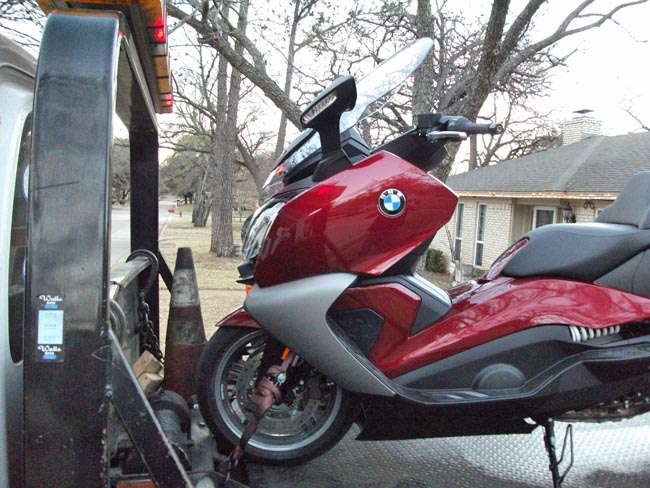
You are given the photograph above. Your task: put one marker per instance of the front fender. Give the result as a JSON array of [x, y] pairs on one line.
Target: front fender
[[238, 318]]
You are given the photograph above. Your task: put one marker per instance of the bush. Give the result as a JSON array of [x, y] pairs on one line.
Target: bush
[[436, 261]]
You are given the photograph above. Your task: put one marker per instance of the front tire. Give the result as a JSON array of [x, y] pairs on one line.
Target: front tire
[[315, 415]]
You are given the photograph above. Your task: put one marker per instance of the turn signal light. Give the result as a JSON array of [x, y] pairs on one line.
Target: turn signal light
[[159, 34], [167, 100]]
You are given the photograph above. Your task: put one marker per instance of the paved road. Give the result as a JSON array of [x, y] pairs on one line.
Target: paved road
[[120, 229]]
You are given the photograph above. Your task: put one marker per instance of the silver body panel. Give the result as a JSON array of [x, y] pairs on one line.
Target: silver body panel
[[295, 313]]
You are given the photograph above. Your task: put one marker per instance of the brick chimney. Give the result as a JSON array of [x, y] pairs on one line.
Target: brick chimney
[[580, 127]]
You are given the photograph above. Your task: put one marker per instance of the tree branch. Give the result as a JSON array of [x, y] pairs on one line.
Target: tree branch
[[258, 76]]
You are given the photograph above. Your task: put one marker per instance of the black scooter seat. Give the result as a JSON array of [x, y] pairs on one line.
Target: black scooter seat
[[583, 252]]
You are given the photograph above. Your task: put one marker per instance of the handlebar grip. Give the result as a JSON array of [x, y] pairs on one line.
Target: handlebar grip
[[495, 128], [464, 125]]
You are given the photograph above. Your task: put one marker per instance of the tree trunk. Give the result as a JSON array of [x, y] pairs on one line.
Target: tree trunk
[[218, 155], [424, 76], [473, 153], [222, 243], [443, 169], [291, 54], [201, 208], [483, 83]]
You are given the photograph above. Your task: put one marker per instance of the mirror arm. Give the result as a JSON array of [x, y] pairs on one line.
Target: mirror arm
[[331, 164]]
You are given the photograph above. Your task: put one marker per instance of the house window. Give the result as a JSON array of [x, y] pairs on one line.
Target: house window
[[543, 216], [480, 234], [459, 231]]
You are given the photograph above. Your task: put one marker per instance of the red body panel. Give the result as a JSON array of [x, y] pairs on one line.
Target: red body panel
[[482, 312], [336, 226], [238, 318]]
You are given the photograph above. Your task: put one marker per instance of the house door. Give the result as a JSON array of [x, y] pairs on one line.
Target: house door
[[543, 216]]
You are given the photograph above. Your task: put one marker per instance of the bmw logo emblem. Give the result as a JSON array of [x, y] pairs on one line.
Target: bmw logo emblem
[[392, 202]]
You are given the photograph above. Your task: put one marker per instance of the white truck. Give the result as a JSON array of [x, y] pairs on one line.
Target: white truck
[[72, 412]]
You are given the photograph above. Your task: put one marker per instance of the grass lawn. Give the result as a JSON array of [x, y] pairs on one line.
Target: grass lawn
[[218, 290], [212, 272]]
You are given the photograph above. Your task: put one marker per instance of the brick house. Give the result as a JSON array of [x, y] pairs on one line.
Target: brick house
[[571, 183]]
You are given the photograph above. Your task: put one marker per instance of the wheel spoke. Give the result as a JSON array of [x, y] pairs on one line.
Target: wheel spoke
[[310, 407], [234, 372]]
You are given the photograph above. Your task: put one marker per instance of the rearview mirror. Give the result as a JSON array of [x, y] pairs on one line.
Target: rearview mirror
[[324, 113]]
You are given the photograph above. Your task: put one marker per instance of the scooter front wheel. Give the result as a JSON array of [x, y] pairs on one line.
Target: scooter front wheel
[[315, 415]]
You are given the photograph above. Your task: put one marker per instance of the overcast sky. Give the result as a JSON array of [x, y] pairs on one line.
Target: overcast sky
[[609, 72]]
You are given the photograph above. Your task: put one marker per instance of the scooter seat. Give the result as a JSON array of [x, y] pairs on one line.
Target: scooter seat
[[584, 252]]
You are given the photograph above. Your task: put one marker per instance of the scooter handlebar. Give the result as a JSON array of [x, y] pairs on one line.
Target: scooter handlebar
[[461, 124]]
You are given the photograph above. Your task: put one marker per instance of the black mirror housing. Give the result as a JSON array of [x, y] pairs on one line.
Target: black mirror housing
[[337, 98], [324, 113]]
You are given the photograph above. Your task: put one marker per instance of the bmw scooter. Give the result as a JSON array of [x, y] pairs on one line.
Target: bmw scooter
[[557, 328]]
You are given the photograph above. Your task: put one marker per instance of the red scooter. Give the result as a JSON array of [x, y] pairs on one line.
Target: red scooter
[[556, 329]]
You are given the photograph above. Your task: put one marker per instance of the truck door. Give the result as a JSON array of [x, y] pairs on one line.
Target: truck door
[[17, 70]]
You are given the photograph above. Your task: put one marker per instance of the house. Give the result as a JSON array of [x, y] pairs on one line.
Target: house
[[571, 183]]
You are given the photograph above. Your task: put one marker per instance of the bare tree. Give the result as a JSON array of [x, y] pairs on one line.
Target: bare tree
[[642, 124], [214, 30], [195, 133], [23, 20], [186, 172], [251, 145], [120, 176], [528, 132], [470, 59], [301, 9], [470, 64]]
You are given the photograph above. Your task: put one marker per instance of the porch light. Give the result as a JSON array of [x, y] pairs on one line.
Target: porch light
[[568, 215]]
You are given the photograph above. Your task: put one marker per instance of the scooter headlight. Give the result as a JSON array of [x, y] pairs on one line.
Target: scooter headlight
[[258, 230]]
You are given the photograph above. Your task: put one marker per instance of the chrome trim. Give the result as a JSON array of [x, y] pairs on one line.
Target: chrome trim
[[430, 288], [452, 135], [125, 273]]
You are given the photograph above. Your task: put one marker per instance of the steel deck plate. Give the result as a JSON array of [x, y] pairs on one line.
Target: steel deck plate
[[613, 454]]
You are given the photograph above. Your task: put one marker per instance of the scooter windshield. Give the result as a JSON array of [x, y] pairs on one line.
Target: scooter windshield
[[373, 90], [384, 79]]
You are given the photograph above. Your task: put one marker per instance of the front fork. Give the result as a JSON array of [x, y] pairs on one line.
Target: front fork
[[271, 377], [273, 354]]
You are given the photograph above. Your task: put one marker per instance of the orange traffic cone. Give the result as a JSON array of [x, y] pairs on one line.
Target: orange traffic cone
[[185, 337]]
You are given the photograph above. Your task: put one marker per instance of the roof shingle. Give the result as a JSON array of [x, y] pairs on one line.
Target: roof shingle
[[596, 164]]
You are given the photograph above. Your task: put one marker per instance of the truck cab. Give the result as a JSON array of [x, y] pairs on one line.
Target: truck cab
[[17, 74]]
